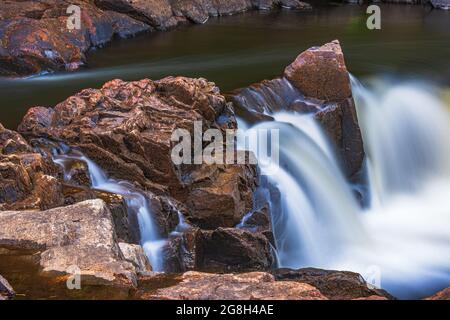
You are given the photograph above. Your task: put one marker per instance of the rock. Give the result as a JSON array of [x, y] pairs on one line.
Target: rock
[[156, 13], [230, 249], [221, 250], [320, 73], [34, 37], [6, 291], [28, 180], [77, 236], [441, 4], [126, 128], [245, 286], [441, 295], [135, 254], [335, 285], [295, 4], [317, 82]]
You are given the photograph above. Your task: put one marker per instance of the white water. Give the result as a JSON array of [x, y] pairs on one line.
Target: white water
[[136, 202], [401, 242]]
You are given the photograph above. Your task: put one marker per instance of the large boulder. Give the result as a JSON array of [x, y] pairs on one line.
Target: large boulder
[[126, 128], [335, 285], [245, 286], [77, 237], [320, 73], [6, 291], [317, 83]]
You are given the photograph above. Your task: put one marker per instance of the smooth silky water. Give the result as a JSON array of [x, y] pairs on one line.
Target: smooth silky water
[[400, 240]]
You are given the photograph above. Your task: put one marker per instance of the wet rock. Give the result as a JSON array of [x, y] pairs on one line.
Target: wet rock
[[28, 180], [35, 38], [230, 249], [245, 286], [318, 83], [441, 295], [126, 128], [78, 238], [335, 285], [6, 291]]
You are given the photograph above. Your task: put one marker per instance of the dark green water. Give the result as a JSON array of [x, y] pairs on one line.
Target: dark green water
[[414, 42]]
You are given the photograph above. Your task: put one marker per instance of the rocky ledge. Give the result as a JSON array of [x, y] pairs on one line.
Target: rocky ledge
[[35, 36]]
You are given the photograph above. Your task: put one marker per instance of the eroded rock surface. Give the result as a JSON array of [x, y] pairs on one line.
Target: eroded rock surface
[[28, 180], [126, 128], [244, 286]]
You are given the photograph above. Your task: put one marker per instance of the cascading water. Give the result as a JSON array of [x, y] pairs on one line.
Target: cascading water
[[136, 202], [401, 241]]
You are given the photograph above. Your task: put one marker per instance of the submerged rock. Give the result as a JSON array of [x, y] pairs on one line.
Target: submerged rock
[[245, 286], [335, 285], [6, 291], [77, 239], [317, 83]]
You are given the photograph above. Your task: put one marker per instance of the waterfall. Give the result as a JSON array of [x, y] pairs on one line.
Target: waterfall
[[136, 202], [401, 241]]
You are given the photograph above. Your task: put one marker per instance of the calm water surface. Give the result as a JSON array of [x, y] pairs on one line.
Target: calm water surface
[[235, 51]]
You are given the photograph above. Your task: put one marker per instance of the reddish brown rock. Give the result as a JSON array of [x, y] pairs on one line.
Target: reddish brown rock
[[320, 73], [335, 285], [126, 128], [28, 180], [34, 36], [245, 286], [441, 295]]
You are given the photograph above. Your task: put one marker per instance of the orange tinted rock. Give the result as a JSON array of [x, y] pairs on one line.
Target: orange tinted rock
[[320, 73]]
